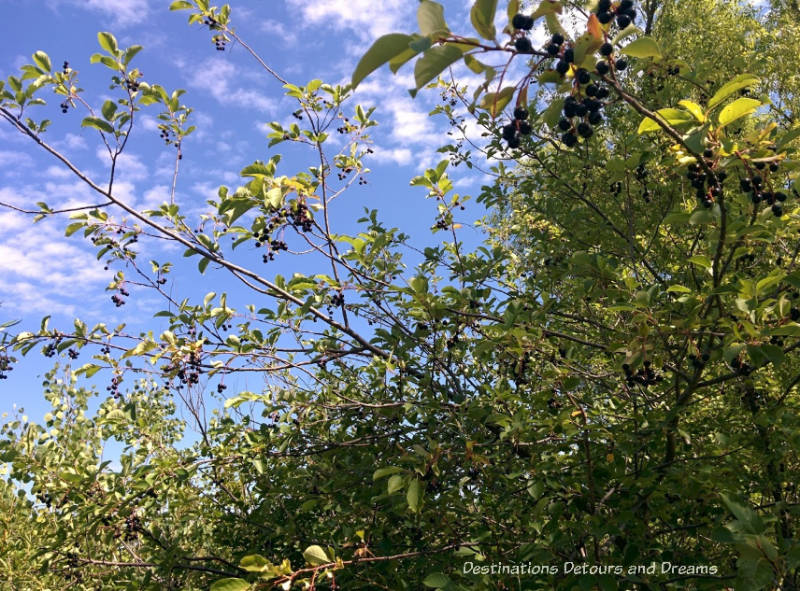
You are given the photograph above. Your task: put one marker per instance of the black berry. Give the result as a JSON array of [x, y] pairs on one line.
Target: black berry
[[621, 64], [521, 113], [606, 49], [523, 45]]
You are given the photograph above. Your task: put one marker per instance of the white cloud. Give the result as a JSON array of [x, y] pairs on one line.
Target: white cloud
[[40, 269], [71, 141], [217, 77], [129, 167], [281, 30], [11, 159], [369, 19], [121, 13], [400, 156]]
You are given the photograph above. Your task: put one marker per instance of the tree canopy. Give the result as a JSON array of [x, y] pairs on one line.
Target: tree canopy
[[601, 395]]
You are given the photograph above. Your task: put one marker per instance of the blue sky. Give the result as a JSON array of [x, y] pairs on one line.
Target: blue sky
[[42, 272]]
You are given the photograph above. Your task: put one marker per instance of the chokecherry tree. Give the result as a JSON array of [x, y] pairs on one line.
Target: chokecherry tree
[[609, 380]]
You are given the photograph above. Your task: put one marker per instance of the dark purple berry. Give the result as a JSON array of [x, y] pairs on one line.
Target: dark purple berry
[[520, 113], [585, 130], [523, 45], [621, 64]]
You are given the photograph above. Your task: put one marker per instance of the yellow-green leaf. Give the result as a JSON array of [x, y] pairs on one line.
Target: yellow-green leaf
[[230, 585], [643, 47], [670, 115], [430, 17], [414, 495], [383, 50], [694, 109], [495, 102], [433, 63], [482, 17], [545, 8], [739, 108], [741, 81], [315, 555]]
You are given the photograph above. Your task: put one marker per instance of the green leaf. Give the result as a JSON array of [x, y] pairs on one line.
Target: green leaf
[[315, 555], [74, 227], [97, 123], [230, 585], [436, 581], [433, 63], [671, 115], [42, 60], [108, 42], [546, 8], [180, 5], [741, 81], [384, 49], [482, 17], [694, 109], [108, 109], [430, 17], [700, 260], [394, 484], [254, 563], [382, 472], [414, 495], [643, 47], [739, 108], [495, 102]]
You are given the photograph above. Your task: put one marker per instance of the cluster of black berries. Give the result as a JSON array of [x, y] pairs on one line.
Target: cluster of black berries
[[794, 314], [522, 23], [514, 131], [755, 187], [219, 42], [698, 361], [114, 387], [708, 187], [624, 12], [45, 498], [301, 217], [553, 47], [221, 388], [641, 176], [106, 350], [645, 376], [603, 67], [5, 365], [190, 373], [117, 299], [211, 22], [64, 106], [741, 367], [73, 353], [65, 68], [132, 84], [132, 527], [580, 117], [165, 135], [275, 247]]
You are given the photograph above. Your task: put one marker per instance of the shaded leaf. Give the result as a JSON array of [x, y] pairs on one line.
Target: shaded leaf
[[383, 50]]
